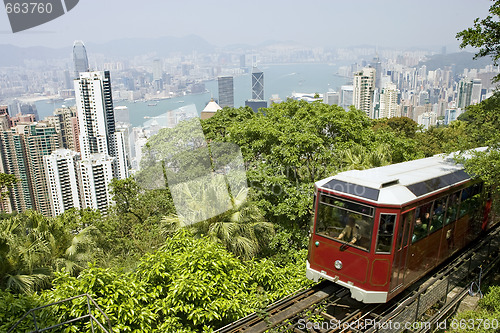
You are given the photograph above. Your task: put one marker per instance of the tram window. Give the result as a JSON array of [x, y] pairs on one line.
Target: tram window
[[453, 202], [408, 221], [422, 220], [344, 225], [438, 213], [385, 232], [471, 197]]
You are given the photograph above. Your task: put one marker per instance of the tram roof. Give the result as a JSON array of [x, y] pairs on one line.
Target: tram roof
[[399, 183]]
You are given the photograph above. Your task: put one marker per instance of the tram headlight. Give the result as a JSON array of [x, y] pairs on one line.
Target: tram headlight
[[338, 264]]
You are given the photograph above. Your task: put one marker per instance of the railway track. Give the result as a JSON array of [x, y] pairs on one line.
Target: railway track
[[327, 307]]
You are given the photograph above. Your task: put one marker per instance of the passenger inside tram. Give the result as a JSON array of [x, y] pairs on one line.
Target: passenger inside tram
[[351, 232]]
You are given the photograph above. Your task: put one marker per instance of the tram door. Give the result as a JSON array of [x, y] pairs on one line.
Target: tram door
[[401, 250]]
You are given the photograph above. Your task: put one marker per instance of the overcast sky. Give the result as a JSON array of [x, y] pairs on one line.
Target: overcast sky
[[384, 23]]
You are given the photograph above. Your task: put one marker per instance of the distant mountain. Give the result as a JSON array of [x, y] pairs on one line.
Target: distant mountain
[[460, 60], [162, 46], [15, 56]]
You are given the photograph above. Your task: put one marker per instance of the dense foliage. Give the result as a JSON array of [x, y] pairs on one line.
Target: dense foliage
[[150, 273]]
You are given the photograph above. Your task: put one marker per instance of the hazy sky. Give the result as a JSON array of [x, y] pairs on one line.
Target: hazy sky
[[385, 23]]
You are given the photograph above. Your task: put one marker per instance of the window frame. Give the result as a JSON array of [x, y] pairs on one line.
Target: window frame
[[392, 235]]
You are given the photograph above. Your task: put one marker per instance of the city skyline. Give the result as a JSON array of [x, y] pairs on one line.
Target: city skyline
[[384, 23]]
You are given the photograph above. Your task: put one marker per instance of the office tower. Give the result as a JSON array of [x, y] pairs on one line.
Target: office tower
[[226, 91], [157, 75], [80, 59], [363, 88], [346, 96], [95, 113], [464, 92], [257, 84], [388, 106], [476, 91], [157, 69], [210, 109], [96, 175], [378, 71], [257, 102], [242, 61], [63, 179]]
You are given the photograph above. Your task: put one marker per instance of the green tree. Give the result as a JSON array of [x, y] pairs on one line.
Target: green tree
[[6, 181], [485, 35]]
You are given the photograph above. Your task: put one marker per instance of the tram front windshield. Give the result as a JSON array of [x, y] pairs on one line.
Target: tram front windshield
[[345, 221]]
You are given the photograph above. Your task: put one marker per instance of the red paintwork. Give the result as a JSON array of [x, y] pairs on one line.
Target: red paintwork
[[374, 272]]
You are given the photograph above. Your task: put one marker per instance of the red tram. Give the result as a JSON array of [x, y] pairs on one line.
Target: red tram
[[377, 231]]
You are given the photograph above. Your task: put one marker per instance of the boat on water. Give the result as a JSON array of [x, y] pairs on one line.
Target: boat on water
[[152, 104]]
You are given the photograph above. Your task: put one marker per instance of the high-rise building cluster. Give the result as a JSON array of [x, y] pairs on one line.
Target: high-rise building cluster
[[391, 89], [69, 159]]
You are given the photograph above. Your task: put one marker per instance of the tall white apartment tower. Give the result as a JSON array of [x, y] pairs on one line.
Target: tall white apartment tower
[[101, 146], [96, 174], [96, 119], [63, 178], [388, 101], [363, 89]]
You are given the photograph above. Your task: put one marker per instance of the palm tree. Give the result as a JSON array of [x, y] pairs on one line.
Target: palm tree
[[359, 158], [242, 228], [81, 251], [25, 252]]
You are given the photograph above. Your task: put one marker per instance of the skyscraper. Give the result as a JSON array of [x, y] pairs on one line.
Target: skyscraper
[[80, 59], [257, 84], [22, 149], [464, 92], [364, 86], [388, 101], [257, 102], [102, 148], [378, 71], [96, 172], [226, 91], [95, 113], [63, 179], [64, 121], [346, 96]]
